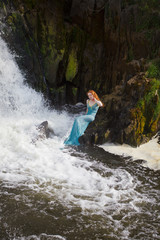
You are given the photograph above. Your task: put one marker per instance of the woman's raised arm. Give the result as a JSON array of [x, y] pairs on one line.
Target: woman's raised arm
[[100, 104]]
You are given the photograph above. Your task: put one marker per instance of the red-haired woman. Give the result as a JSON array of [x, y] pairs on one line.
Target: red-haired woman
[[81, 123]]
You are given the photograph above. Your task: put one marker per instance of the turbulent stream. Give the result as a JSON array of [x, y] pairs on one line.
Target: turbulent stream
[[49, 191]]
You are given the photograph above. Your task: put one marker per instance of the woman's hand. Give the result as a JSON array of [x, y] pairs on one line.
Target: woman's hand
[[100, 104]]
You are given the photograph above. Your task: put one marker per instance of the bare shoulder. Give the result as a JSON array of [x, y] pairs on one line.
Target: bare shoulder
[[87, 101]]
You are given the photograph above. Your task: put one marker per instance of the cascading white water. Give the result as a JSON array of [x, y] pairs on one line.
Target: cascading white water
[[150, 152], [21, 109], [47, 167]]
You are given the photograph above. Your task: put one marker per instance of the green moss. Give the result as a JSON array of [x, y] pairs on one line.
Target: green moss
[[155, 86], [157, 110], [146, 115], [4, 8], [48, 40], [141, 104], [154, 69], [137, 115], [149, 108], [72, 67], [10, 20], [14, 15], [16, 22]]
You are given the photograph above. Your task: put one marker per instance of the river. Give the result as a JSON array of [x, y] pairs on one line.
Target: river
[[51, 191]]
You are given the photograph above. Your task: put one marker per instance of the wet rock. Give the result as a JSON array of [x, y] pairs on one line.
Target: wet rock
[[158, 137], [127, 117], [77, 108], [43, 132]]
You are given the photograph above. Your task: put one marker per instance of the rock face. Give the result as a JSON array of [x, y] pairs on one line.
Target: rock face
[[131, 114], [70, 46]]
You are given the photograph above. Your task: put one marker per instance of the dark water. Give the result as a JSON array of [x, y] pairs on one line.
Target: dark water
[[26, 213]]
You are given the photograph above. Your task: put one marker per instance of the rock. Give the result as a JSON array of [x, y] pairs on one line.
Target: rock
[[158, 137], [127, 117], [85, 140], [77, 108], [69, 44], [43, 132]]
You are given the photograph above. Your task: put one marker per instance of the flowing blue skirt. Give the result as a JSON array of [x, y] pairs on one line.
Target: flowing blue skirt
[[79, 126]]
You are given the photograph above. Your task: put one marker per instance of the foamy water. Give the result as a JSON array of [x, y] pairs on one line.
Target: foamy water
[[50, 169], [42, 236], [150, 152], [45, 166]]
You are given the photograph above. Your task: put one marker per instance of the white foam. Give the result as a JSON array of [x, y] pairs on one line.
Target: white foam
[[41, 236], [44, 167], [150, 152]]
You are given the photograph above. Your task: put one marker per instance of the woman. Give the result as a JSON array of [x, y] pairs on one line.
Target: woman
[[81, 123]]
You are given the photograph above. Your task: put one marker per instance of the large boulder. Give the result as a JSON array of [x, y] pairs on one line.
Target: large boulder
[[131, 114]]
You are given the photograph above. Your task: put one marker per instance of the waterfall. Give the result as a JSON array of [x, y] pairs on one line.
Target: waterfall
[[44, 166], [59, 183]]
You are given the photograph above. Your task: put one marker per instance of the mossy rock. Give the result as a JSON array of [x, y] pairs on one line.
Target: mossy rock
[[72, 67]]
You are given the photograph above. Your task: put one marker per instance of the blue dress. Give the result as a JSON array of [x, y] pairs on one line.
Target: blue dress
[[80, 124]]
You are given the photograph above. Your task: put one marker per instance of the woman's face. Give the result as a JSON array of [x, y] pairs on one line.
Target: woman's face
[[90, 96]]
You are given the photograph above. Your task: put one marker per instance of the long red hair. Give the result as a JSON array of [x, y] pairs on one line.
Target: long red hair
[[95, 95]]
